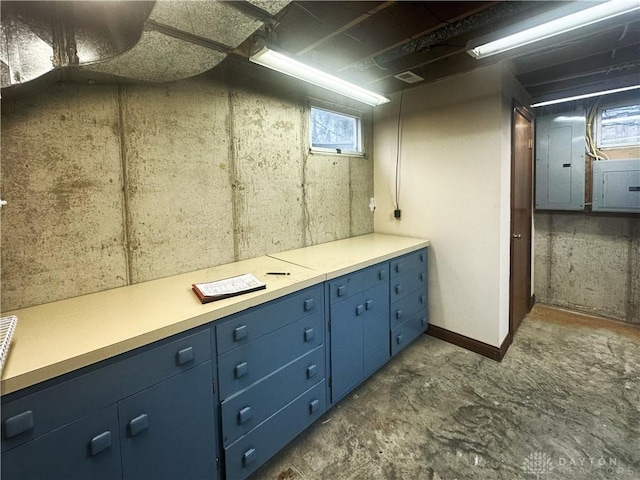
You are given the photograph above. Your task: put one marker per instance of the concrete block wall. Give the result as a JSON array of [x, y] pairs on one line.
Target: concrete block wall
[[113, 185], [589, 263]]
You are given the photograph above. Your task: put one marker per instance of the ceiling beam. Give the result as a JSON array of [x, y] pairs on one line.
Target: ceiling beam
[[582, 66], [620, 36], [306, 23], [345, 27], [471, 22], [587, 85]]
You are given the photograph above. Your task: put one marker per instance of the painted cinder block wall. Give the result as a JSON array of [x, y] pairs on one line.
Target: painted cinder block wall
[[113, 185]]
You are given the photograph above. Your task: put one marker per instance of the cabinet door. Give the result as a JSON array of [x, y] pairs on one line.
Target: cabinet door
[[376, 328], [167, 431], [347, 368], [85, 449]]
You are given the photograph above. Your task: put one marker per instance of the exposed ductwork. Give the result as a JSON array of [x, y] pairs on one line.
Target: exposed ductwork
[[128, 40]]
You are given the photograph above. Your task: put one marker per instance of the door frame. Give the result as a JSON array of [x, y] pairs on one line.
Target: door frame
[[519, 109]]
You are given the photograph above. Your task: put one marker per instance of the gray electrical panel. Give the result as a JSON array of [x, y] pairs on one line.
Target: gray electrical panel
[[616, 186], [560, 172]]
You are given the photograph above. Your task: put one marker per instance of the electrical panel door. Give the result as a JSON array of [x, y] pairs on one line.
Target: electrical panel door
[[616, 186], [560, 172]]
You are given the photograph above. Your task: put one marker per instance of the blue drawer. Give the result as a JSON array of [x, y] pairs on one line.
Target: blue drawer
[[408, 262], [404, 334], [263, 319], [406, 307], [88, 448], [243, 412], [243, 366], [407, 282], [254, 449], [348, 285], [126, 374]]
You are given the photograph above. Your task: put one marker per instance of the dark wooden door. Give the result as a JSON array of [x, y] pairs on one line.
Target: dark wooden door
[[521, 208]]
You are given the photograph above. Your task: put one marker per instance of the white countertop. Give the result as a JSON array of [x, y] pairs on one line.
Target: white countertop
[[345, 256], [59, 337]]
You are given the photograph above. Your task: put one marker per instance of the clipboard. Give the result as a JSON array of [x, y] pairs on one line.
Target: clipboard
[[227, 287]]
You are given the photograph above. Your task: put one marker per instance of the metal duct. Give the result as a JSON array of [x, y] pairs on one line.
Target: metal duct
[[135, 40]]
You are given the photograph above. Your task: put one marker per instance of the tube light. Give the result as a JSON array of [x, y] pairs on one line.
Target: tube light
[[586, 95], [568, 23], [283, 64]]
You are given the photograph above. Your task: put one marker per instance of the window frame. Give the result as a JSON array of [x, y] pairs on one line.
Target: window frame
[[598, 122], [340, 110]]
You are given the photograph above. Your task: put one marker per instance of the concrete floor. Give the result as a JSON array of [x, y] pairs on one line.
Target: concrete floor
[[563, 404]]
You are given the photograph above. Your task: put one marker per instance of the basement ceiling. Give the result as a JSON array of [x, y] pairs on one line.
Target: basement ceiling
[[371, 42]]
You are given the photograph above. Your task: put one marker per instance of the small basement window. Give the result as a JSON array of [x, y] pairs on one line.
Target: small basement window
[[618, 125], [335, 132]]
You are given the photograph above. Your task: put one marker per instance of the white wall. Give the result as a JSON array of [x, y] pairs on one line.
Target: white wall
[[455, 191]]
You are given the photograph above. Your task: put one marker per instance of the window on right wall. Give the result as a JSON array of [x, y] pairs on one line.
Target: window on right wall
[[618, 125]]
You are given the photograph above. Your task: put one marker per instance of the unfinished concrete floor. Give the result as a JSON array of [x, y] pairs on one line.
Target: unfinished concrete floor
[[563, 404]]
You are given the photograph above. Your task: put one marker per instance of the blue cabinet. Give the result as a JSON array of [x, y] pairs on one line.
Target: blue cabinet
[[258, 378], [86, 449], [359, 327], [252, 450], [167, 431], [408, 312], [146, 414], [271, 365]]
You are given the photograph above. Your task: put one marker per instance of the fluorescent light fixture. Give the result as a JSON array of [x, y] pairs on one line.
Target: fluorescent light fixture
[[283, 64], [568, 23], [586, 95]]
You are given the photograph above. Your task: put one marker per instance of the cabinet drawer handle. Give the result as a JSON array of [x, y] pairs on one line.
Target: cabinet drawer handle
[[309, 303], [422, 258], [21, 423], [368, 305], [138, 424], [359, 310], [308, 334], [311, 370], [381, 275], [244, 415], [240, 332], [313, 406], [399, 339], [422, 277], [342, 290], [423, 299], [249, 457], [185, 356], [241, 370], [100, 443], [398, 288], [423, 321], [398, 267], [398, 314]]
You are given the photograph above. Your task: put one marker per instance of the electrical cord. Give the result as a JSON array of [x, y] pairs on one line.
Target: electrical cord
[[398, 152], [592, 149]]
